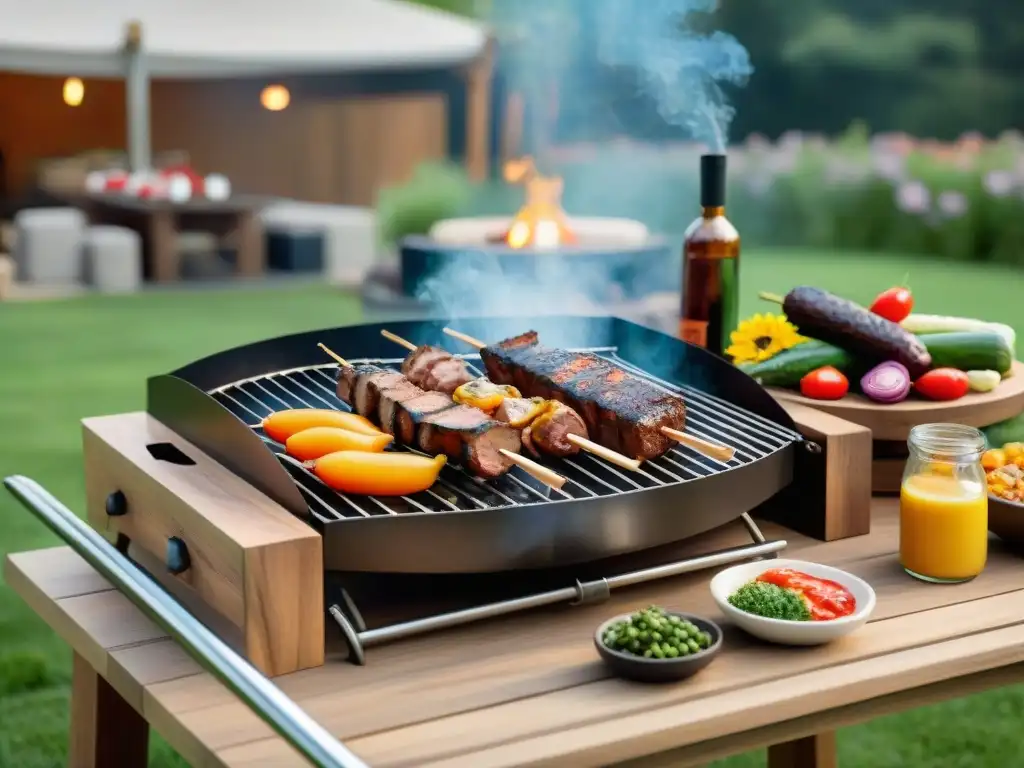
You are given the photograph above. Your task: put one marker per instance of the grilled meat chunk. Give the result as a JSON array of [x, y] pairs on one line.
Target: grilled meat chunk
[[549, 432], [546, 424], [389, 402], [429, 421], [621, 411], [435, 369]]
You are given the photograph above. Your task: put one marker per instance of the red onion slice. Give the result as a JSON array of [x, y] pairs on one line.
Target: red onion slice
[[886, 383]]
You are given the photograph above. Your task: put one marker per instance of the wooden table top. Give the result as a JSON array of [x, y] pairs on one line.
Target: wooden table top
[[233, 205], [530, 689]]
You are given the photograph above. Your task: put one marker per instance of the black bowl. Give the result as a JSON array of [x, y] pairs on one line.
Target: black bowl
[[1006, 520], [645, 670]]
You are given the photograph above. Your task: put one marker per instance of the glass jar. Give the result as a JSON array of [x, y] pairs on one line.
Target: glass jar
[[944, 504]]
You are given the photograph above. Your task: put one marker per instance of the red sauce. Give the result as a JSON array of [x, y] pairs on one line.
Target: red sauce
[[826, 599]]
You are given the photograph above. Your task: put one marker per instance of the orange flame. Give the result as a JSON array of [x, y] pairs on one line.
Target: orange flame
[[541, 222]]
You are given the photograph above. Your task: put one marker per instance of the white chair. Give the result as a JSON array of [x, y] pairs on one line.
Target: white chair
[[113, 259], [48, 245]]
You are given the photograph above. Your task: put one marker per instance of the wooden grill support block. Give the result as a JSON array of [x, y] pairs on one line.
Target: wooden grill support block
[[240, 562], [830, 497]]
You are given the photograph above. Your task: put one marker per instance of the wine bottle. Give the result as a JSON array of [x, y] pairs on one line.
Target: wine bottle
[[711, 262]]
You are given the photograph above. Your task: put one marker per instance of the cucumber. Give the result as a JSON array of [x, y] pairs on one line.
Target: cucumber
[[966, 351], [921, 324], [969, 351], [788, 367], [1009, 431]]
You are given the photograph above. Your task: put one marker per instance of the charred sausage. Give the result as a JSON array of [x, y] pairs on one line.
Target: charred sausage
[[835, 320]]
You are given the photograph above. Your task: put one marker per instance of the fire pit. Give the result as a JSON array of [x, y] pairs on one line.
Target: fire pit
[[599, 259]]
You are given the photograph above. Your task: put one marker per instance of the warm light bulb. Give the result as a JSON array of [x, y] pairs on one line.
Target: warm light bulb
[[74, 91], [275, 98]]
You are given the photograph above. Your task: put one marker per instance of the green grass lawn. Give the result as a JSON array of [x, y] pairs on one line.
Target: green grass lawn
[[62, 361]]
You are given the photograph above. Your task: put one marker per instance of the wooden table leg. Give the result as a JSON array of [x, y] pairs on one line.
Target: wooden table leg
[[163, 246], [105, 731], [818, 751], [251, 259]]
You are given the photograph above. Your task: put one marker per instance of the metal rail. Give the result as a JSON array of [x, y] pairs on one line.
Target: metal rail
[[249, 684]]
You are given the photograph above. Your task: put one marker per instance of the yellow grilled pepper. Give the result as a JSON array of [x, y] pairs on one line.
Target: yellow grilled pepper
[[482, 394]]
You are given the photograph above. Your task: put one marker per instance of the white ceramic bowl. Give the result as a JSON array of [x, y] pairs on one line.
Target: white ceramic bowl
[[792, 632]]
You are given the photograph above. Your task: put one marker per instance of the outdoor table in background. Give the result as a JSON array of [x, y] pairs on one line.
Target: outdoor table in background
[[530, 689], [159, 222]]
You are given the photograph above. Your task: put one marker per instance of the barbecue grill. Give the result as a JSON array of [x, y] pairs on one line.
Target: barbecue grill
[[201, 499], [514, 522]]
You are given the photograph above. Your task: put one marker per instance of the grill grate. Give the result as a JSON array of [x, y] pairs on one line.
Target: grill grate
[[708, 417]]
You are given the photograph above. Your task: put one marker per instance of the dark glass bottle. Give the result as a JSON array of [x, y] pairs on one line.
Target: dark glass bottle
[[711, 263]]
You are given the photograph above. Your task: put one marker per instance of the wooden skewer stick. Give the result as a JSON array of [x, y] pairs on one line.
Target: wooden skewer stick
[[475, 343], [532, 468], [398, 340], [774, 298], [607, 454], [712, 450], [337, 358]]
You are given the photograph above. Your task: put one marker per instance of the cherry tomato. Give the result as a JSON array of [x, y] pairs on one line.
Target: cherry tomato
[[894, 304], [943, 384], [824, 384]]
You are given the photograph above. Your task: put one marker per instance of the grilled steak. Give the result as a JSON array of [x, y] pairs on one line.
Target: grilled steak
[[435, 369], [621, 411], [429, 421]]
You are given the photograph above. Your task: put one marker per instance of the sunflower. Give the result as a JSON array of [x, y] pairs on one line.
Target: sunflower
[[762, 337]]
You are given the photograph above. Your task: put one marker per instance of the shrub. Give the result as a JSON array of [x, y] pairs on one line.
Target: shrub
[[887, 193]]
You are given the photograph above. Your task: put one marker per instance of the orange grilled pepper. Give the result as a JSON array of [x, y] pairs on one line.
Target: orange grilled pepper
[[283, 424], [482, 394], [310, 444], [378, 474]]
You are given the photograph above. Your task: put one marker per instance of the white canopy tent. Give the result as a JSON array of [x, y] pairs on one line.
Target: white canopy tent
[[189, 39]]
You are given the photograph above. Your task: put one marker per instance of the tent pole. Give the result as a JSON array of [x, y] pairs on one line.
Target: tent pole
[[479, 76], [136, 87]]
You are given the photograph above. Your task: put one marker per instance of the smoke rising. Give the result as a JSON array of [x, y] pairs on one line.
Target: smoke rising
[[588, 71], [681, 69]]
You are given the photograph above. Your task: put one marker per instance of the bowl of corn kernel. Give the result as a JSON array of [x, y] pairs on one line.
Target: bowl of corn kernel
[[1004, 473]]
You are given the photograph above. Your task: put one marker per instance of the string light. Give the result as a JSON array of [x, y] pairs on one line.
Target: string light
[[73, 91], [275, 98]]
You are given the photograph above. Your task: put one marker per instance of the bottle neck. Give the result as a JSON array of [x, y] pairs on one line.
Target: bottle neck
[[712, 211]]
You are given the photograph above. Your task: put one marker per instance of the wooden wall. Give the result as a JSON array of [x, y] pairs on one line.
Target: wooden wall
[[323, 147], [36, 123]]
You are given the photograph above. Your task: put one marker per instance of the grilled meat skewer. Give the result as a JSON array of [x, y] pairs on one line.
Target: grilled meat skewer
[[429, 421], [624, 412], [435, 369]]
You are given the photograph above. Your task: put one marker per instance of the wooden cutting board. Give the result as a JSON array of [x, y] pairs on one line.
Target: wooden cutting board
[[894, 422]]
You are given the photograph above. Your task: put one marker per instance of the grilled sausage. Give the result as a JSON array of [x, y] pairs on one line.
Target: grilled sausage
[[834, 320]]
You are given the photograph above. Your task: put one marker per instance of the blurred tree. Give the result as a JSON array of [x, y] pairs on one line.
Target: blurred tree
[[929, 67]]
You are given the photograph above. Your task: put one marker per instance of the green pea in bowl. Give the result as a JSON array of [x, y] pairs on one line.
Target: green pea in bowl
[[657, 646]]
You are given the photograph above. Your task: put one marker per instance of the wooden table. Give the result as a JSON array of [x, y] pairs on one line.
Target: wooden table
[[529, 690], [159, 222]]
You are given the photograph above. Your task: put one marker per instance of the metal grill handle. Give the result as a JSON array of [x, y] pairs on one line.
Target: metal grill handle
[[262, 696]]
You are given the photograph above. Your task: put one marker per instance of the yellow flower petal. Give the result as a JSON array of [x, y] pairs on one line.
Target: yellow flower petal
[[761, 337]]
